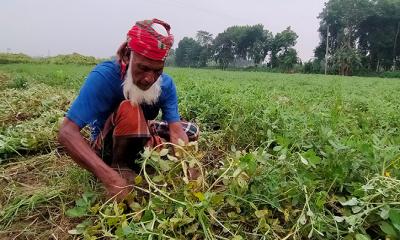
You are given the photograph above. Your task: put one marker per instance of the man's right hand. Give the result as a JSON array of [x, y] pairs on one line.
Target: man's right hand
[[69, 136], [117, 187]]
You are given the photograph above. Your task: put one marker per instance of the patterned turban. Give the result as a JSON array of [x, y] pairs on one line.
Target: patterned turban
[[144, 40]]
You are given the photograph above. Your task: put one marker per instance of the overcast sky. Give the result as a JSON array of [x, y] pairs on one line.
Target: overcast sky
[[97, 27]]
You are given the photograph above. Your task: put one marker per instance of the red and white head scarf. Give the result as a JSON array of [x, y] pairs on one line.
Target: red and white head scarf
[[144, 40]]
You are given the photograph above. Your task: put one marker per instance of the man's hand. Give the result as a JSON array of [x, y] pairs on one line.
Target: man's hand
[[69, 136], [176, 132], [117, 186]]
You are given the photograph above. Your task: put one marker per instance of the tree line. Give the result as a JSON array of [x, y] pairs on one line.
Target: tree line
[[360, 35], [238, 46], [356, 37]]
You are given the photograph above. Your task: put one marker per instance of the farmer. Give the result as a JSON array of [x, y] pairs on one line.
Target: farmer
[[119, 101]]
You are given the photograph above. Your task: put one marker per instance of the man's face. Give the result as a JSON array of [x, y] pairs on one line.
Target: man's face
[[145, 71]]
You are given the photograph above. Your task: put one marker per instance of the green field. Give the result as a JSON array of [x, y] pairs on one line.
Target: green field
[[284, 156]]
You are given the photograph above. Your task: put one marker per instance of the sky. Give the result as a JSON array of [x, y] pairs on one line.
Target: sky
[[98, 27]]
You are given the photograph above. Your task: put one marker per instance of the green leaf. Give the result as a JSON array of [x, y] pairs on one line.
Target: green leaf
[[261, 213], [356, 209], [164, 165], [217, 199], [164, 152], [126, 228], [277, 148], [200, 196], [338, 219], [192, 229], [384, 213], [352, 202], [303, 160], [252, 205], [138, 180], [337, 145], [232, 202], [233, 148], [147, 152], [310, 213], [388, 229], [158, 178], [75, 231], [237, 172], [89, 196], [119, 233], [80, 228], [76, 212], [394, 215], [117, 211], [360, 236], [263, 225], [248, 163], [242, 182], [81, 202], [172, 158], [112, 221], [147, 216], [251, 166], [351, 220], [135, 206], [302, 219], [237, 237], [232, 215], [310, 157]]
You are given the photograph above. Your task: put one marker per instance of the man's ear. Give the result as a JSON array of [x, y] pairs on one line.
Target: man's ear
[[124, 52]]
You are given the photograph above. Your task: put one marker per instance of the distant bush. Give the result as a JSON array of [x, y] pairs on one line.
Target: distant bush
[[19, 81], [391, 74], [6, 58], [313, 66], [74, 58]]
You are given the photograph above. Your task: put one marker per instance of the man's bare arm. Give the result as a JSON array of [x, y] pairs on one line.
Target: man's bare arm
[[70, 137]]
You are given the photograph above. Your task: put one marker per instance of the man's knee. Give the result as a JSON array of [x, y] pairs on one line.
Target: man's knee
[[162, 129], [126, 112], [129, 120], [192, 130]]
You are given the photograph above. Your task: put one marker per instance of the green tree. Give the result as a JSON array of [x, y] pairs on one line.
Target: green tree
[[343, 18], [188, 53], [287, 59], [205, 40], [379, 36], [250, 43], [224, 49], [281, 44], [261, 47], [368, 29], [346, 60]]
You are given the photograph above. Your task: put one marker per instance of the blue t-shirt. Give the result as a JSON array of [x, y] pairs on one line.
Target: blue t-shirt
[[102, 93]]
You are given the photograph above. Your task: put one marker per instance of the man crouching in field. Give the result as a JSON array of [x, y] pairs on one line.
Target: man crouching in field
[[117, 101]]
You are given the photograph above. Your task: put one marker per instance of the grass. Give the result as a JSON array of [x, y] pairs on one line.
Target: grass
[[305, 146]]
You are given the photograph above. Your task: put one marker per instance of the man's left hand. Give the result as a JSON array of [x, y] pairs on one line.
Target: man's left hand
[[176, 132]]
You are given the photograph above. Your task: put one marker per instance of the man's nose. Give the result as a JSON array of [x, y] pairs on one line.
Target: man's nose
[[149, 77]]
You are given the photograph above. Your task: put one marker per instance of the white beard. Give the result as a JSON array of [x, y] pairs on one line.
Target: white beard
[[138, 96]]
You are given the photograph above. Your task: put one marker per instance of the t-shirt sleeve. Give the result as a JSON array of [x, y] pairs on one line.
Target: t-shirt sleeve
[[91, 102], [169, 105]]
